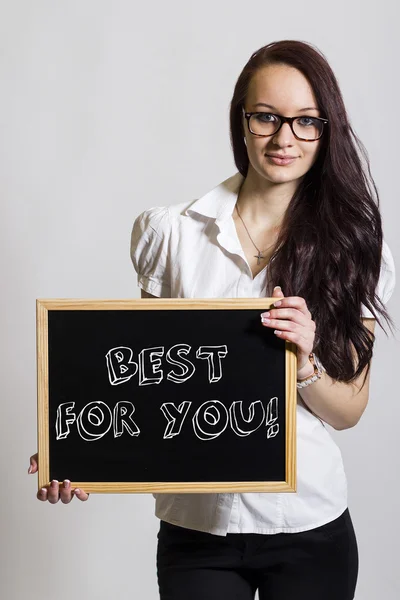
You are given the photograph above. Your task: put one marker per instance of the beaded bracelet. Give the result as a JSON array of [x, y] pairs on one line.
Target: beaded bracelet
[[315, 376]]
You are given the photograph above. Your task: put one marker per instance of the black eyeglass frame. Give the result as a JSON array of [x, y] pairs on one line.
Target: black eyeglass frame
[[283, 120]]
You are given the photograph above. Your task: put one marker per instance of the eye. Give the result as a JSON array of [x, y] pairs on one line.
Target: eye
[[307, 121], [265, 117]]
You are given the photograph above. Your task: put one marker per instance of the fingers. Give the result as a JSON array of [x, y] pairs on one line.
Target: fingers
[[277, 292], [295, 302], [292, 315], [81, 494], [298, 327], [33, 467], [42, 495], [66, 493], [55, 492], [293, 308]]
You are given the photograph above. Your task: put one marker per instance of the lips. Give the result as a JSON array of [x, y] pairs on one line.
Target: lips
[[281, 156], [285, 160]]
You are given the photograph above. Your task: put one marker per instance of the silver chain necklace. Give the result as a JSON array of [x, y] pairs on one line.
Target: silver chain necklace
[[259, 256]]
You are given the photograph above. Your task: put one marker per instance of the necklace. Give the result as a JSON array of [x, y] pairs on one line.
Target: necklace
[[259, 256]]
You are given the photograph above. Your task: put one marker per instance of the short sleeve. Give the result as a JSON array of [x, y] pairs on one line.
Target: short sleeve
[[387, 280], [149, 251]]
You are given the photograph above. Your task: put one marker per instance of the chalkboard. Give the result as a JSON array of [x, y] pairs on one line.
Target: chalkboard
[[161, 395]]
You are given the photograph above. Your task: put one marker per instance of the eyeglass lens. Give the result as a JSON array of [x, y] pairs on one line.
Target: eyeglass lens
[[304, 127]]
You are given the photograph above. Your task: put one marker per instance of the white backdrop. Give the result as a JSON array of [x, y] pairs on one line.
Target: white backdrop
[[111, 107]]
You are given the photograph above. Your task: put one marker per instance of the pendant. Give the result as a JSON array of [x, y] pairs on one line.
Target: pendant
[[258, 257]]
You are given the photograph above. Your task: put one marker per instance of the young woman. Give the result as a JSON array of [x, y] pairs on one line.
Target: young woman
[[299, 221]]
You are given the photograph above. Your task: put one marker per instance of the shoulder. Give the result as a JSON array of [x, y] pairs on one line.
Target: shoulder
[[152, 220], [387, 279], [161, 219], [387, 258]]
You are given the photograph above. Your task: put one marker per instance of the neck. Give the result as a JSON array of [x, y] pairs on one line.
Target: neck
[[262, 202]]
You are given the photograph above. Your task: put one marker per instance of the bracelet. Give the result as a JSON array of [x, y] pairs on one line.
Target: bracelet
[[315, 376]]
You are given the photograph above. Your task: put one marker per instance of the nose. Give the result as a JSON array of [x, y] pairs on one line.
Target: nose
[[284, 137]]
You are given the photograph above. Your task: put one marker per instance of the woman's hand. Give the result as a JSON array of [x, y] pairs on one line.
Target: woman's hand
[[292, 321], [54, 492]]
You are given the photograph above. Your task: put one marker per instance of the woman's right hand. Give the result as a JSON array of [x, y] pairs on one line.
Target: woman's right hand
[[53, 493]]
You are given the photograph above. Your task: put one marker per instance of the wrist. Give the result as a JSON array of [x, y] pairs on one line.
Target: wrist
[[309, 379], [306, 371]]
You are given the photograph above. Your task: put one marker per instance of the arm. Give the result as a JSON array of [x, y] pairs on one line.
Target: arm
[[338, 404]]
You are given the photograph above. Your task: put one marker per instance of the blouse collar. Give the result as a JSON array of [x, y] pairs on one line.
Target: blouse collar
[[219, 203]]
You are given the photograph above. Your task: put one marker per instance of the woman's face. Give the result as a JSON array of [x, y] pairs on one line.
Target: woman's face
[[286, 92]]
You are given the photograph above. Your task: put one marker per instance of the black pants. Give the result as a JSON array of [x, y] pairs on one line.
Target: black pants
[[319, 564]]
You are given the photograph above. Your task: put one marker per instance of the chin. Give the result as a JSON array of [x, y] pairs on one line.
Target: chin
[[280, 175], [277, 174]]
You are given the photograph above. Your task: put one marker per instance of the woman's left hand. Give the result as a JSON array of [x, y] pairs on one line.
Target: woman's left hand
[[292, 321]]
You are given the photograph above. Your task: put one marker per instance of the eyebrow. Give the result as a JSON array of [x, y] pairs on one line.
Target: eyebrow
[[274, 107]]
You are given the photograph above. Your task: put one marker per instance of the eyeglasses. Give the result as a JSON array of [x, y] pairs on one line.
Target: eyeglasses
[[304, 128]]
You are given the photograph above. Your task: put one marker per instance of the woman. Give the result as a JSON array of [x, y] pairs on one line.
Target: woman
[[298, 222]]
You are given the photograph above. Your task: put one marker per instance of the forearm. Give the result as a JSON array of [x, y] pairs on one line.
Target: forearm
[[338, 404]]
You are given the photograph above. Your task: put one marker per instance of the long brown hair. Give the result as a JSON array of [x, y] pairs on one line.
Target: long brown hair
[[330, 243]]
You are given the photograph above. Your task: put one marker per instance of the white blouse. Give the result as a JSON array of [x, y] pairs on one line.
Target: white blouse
[[192, 250]]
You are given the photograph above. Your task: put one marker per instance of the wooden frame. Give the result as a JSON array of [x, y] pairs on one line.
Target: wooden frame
[[42, 308]]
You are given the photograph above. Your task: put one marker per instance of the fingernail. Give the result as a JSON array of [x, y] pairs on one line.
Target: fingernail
[[77, 491], [30, 469], [266, 314], [277, 287], [67, 483], [43, 490], [54, 483], [278, 303]]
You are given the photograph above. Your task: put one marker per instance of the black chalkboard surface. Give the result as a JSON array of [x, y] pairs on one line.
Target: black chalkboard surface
[[159, 395]]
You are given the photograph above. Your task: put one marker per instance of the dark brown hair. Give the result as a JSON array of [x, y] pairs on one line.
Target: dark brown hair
[[330, 243]]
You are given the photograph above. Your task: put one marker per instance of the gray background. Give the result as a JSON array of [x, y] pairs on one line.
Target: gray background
[[108, 108]]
